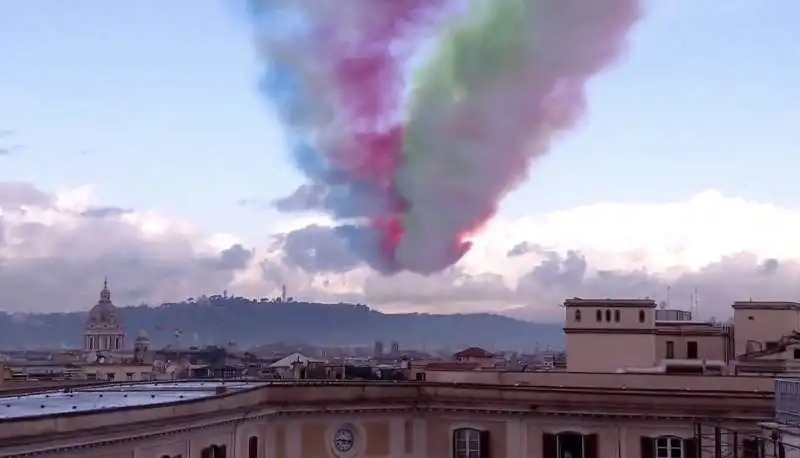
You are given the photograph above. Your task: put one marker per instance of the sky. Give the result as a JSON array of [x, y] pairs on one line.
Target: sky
[[138, 146]]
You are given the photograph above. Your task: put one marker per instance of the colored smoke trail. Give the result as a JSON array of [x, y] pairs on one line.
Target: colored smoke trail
[[502, 80], [334, 73]]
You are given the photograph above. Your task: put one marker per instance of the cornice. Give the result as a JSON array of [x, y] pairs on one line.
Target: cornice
[[95, 439]]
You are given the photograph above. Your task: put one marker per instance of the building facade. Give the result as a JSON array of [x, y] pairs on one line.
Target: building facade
[[368, 420]]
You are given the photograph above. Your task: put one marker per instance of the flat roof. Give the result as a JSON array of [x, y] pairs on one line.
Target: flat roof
[[112, 396], [610, 302]]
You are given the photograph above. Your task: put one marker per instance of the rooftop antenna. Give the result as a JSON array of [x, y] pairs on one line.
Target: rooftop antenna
[[696, 304]]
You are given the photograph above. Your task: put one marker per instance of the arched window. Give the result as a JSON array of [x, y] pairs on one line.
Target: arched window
[[252, 447], [641, 316], [577, 315], [469, 442], [608, 315], [599, 315], [616, 316]]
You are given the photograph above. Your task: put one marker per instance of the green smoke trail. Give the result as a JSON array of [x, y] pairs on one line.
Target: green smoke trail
[[472, 54], [500, 83]]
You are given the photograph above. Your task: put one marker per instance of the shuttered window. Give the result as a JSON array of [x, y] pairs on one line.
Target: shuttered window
[[648, 447], [590, 446], [549, 446]]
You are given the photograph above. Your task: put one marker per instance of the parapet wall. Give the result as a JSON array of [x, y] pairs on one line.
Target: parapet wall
[[739, 383], [288, 398]]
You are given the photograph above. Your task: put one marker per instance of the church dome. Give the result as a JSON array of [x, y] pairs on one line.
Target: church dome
[[143, 337], [104, 313]]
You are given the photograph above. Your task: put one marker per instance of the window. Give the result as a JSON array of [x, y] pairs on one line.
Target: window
[[569, 444], [252, 447], [796, 352], [617, 316], [691, 350], [641, 316], [577, 315], [608, 315], [129, 375], [599, 315], [669, 447], [214, 451], [469, 443], [420, 377], [670, 349], [110, 376]]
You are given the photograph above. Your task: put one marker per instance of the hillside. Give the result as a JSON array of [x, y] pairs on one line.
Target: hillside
[[220, 320]]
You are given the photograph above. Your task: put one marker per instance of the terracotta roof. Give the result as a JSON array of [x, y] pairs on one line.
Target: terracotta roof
[[473, 352]]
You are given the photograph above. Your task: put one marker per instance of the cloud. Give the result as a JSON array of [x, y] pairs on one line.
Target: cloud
[[55, 249]]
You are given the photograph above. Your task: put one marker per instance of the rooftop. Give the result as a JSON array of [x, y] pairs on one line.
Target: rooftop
[[609, 302], [111, 397]]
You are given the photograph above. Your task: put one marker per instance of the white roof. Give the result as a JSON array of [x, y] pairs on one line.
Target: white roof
[[111, 396], [294, 357]]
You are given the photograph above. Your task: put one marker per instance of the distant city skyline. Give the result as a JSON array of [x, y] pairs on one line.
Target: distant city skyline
[[135, 145]]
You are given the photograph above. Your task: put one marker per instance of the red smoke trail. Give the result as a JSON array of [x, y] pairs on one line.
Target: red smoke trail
[[369, 76]]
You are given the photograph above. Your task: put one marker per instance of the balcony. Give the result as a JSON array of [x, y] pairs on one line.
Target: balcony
[[787, 401]]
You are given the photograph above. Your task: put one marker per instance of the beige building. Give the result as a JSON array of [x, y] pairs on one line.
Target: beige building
[[613, 335], [635, 387], [369, 420]]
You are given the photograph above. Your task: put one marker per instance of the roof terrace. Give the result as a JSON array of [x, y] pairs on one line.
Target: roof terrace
[[113, 396]]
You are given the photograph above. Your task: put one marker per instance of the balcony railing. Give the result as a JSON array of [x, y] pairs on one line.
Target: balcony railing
[[787, 401]]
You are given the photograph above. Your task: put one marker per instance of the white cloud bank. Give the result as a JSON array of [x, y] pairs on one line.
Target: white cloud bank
[[56, 248]]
